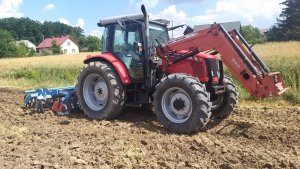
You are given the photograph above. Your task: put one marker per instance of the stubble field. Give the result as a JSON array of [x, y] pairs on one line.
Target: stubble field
[[255, 136]]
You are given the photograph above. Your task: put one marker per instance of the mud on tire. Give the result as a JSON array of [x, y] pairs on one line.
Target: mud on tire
[[225, 103], [105, 98], [182, 104]]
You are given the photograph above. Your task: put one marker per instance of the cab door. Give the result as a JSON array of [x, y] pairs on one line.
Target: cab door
[[127, 47]]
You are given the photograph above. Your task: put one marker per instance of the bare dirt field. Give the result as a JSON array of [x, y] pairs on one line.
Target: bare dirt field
[[255, 136]]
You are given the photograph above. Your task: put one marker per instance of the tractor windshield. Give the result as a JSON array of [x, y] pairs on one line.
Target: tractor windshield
[[158, 32]]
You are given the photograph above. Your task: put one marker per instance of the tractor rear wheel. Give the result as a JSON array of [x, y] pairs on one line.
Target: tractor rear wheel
[[100, 92], [182, 104], [224, 104]]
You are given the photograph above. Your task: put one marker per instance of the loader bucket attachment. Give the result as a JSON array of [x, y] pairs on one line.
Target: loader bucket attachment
[[269, 83], [244, 64]]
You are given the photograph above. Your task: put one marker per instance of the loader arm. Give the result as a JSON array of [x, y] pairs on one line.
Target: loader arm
[[237, 55]]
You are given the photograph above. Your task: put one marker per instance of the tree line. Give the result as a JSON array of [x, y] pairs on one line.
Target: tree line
[[288, 24], [287, 27], [15, 29]]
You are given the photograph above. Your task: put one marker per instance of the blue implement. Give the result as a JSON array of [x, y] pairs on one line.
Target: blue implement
[[45, 98]]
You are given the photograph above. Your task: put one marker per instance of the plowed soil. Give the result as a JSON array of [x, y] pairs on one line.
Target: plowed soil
[[255, 136]]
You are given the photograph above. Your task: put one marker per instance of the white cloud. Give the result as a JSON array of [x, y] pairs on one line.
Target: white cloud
[[65, 21], [49, 7], [247, 11], [154, 3], [147, 3], [181, 1], [10, 8], [80, 23], [96, 32], [172, 14]]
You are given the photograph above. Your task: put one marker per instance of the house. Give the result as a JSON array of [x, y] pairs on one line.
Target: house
[[264, 33], [227, 25], [68, 46], [28, 44]]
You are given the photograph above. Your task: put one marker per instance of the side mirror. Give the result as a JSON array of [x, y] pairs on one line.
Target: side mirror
[[122, 24]]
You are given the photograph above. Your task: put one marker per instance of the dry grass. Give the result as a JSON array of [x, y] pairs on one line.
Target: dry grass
[[45, 71], [44, 61], [284, 54], [285, 58]]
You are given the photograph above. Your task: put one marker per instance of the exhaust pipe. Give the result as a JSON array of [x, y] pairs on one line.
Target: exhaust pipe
[[146, 47], [146, 20]]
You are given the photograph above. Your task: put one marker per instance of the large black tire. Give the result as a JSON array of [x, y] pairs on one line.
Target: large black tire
[[112, 99], [224, 104], [194, 112]]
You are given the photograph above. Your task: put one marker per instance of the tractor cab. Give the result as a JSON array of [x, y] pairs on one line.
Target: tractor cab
[[125, 37]]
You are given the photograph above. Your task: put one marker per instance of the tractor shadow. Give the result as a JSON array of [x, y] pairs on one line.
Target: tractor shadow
[[230, 127], [141, 118], [236, 129], [145, 119]]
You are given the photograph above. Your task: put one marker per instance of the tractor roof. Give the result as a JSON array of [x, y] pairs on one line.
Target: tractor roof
[[114, 19]]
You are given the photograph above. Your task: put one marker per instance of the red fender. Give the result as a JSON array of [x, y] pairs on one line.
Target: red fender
[[117, 64]]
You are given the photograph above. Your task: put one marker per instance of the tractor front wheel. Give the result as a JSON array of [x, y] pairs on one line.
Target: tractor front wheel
[[100, 92], [181, 104], [225, 103]]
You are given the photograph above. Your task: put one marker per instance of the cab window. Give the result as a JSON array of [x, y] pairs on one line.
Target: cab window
[[158, 32], [126, 48]]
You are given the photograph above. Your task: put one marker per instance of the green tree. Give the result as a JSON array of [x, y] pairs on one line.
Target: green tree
[[275, 34], [34, 31], [31, 52], [22, 50], [82, 42], [288, 26], [252, 34], [56, 50], [7, 44], [93, 43]]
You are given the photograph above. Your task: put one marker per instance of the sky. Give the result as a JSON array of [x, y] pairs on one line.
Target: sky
[[86, 13]]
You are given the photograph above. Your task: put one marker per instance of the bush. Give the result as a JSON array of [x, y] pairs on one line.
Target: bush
[[46, 52], [22, 50], [252, 34], [8, 47], [56, 50], [31, 52]]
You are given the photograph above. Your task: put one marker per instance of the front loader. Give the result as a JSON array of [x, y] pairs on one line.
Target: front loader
[[182, 78]]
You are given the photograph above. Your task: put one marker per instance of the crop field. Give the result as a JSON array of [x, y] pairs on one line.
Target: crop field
[[259, 134], [54, 71]]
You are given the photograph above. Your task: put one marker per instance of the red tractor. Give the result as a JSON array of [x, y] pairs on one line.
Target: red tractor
[[183, 78]]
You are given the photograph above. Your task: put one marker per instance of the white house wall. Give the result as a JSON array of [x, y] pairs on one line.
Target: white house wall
[[69, 47]]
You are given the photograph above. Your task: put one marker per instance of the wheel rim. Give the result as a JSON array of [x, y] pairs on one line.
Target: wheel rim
[[95, 92], [177, 105]]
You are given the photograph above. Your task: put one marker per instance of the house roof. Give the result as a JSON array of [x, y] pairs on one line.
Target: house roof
[[227, 25], [47, 43]]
